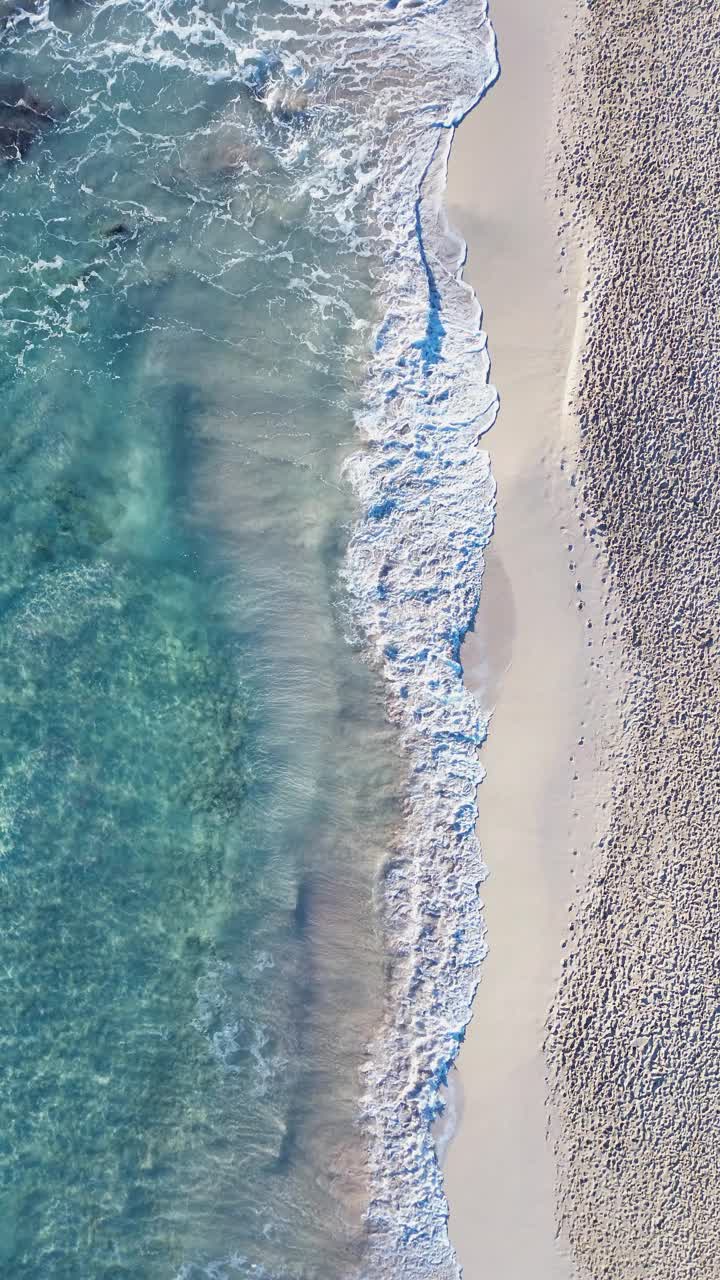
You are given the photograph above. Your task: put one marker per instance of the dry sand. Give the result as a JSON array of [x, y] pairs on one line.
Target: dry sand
[[529, 657], [634, 1041]]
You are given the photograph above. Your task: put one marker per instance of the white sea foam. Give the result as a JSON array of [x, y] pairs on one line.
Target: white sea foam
[[382, 90], [414, 569]]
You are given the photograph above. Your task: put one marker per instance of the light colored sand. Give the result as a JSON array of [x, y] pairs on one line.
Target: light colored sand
[[633, 1044], [499, 1171]]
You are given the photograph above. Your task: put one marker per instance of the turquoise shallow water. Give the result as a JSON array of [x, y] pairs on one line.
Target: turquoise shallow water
[[175, 786], [240, 928]]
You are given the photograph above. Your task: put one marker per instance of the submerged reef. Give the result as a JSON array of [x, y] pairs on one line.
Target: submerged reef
[[24, 118]]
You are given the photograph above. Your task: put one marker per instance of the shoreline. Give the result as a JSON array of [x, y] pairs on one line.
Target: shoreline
[[526, 659]]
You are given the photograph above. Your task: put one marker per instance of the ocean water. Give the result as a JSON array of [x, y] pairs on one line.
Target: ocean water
[[244, 508]]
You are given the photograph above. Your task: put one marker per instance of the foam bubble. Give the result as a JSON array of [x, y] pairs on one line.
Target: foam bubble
[[414, 570]]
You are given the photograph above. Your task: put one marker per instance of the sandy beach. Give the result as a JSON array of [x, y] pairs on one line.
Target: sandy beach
[[633, 1040], [585, 185], [528, 658]]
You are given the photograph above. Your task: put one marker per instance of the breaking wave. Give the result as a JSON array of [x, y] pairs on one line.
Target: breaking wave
[[414, 569]]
